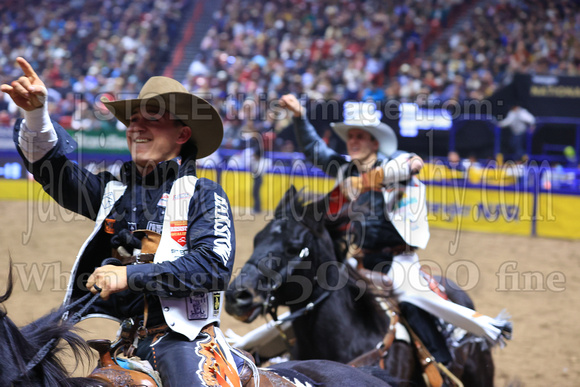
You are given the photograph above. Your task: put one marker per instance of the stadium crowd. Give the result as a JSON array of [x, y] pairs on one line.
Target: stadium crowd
[[343, 50], [87, 47], [323, 49], [500, 39], [257, 51]]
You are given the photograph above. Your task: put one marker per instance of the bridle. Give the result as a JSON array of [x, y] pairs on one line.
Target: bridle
[[271, 302]]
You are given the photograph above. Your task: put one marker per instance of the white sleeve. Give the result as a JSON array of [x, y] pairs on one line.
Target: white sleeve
[[37, 135], [507, 120], [397, 169], [527, 117]]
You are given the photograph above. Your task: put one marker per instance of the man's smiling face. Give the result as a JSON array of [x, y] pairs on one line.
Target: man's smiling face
[[153, 137]]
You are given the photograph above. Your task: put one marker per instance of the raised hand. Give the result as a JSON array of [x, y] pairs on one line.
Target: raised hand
[[28, 91], [291, 103]]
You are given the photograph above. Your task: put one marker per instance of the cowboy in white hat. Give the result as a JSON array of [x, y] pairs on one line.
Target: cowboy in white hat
[[380, 181], [171, 288], [373, 161]]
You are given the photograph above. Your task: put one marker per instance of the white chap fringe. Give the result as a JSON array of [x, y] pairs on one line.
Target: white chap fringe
[[411, 287]]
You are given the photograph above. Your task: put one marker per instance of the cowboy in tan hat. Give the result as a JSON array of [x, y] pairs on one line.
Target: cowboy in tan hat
[[172, 292]]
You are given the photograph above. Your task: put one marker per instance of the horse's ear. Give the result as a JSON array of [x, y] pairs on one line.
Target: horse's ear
[[313, 214], [307, 198], [285, 202]]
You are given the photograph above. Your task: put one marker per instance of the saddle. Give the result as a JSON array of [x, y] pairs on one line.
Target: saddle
[[110, 372], [432, 370]]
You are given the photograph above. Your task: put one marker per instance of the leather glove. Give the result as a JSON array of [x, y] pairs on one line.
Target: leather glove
[[125, 241], [352, 187]]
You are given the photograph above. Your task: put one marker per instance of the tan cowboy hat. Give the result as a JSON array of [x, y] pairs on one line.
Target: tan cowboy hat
[[207, 129], [382, 132]]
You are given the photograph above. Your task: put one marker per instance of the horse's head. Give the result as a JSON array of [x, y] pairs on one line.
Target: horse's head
[[281, 266]]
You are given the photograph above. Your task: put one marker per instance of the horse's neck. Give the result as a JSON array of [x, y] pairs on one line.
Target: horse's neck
[[337, 329]]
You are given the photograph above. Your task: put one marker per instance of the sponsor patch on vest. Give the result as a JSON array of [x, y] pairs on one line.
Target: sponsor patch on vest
[[222, 245], [183, 195], [178, 253], [217, 299], [197, 307], [108, 200], [109, 226], [178, 230], [163, 201], [155, 227]]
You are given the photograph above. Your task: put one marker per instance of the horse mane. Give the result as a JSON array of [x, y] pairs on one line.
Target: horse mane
[[312, 207], [19, 346], [300, 203], [8, 293]]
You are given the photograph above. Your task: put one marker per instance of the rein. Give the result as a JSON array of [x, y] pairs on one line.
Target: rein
[[49, 346], [270, 307], [300, 312]]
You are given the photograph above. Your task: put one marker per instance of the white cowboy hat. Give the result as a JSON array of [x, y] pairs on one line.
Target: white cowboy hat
[[382, 132], [206, 125]]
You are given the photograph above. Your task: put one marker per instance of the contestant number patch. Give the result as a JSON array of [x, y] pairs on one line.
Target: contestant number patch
[[216, 303], [197, 307]]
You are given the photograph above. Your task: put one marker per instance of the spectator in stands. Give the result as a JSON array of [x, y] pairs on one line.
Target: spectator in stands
[[453, 160], [261, 163], [519, 121], [85, 46]]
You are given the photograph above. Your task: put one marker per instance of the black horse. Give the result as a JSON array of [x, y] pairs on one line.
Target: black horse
[[294, 263], [18, 348], [22, 367]]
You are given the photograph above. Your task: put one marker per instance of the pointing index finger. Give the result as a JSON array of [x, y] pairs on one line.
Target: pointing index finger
[[26, 68]]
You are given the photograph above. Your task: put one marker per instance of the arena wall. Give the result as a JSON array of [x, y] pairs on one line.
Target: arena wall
[[456, 201]]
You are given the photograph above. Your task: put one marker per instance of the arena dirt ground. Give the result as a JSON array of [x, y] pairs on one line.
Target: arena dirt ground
[[544, 350]]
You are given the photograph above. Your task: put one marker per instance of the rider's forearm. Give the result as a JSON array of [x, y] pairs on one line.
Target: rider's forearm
[[315, 149], [306, 135], [170, 279], [37, 135], [73, 187]]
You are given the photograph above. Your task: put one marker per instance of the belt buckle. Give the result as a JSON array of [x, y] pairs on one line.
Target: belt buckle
[[144, 258]]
